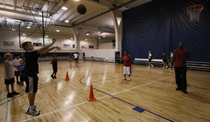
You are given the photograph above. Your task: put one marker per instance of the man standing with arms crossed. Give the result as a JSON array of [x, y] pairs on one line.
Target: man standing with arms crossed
[[180, 57]]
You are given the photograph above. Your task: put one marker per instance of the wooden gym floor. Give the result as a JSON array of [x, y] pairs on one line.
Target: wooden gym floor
[[150, 96]]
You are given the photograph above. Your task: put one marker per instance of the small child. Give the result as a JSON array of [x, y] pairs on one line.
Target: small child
[[16, 62], [54, 65], [20, 68], [9, 74]]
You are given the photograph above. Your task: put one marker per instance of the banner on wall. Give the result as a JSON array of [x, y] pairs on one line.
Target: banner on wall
[[5, 43], [66, 45], [84, 46], [91, 46]]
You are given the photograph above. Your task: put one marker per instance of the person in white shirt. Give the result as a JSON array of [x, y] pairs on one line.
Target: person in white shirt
[[150, 56], [16, 62], [76, 56], [171, 56], [9, 75]]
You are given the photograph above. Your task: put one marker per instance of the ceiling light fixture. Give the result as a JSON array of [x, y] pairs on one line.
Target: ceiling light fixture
[[28, 27], [67, 21], [71, 38], [24, 34], [76, 0], [104, 36], [87, 34], [46, 36], [64, 8], [57, 30]]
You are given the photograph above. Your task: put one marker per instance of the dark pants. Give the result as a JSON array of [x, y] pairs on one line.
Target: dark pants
[[181, 79]]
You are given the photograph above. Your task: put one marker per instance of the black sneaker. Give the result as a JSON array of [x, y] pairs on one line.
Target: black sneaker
[[36, 109], [15, 93], [178, 89], [9, 95], [185, 91], [54, 77]]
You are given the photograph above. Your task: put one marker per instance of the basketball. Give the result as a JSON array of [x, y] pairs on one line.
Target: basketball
[[81, 9], [54, 59]]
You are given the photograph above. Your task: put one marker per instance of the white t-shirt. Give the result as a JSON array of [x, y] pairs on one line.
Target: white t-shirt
[[172, 55], [10, 70], [150, 55], [16, 62], [75, 55]]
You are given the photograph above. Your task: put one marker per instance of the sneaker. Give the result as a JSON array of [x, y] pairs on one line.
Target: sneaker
[[185, 91], [129, 79], [148, 67], [36, 109], [14, 93], [22, 88], [18, 82], [9, 95], [124, 78], [166, 67], [54, 77], [163, 67], [32, 112], [152, 66], [178, 89]]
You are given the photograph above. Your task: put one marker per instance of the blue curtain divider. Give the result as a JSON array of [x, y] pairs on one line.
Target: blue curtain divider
[[159, 26]]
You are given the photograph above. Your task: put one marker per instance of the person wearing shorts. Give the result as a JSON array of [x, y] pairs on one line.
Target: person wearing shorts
[[76, 56], [150, 56], [30, 72], [126, 65], [16, 62], [9, 75]]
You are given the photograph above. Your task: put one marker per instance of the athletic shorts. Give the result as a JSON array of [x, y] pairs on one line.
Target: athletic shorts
[[76, 59], [150, 59], [31, 84], [16, 73], [7, 82], [21, 79], [127, 70]]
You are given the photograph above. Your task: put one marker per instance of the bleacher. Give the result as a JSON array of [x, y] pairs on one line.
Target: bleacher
[[101, 55], [191, 65]]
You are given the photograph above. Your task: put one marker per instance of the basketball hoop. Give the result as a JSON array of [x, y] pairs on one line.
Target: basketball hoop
[[195, 11]]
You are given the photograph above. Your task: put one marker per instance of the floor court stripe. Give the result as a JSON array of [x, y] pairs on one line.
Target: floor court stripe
[[87, 101], [8, 111]]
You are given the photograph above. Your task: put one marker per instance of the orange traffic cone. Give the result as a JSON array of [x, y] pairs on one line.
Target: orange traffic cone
[[67, 77], [91, 96]]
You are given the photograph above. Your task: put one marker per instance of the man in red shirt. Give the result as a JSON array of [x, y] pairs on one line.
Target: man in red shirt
[[180, 57], [127, 65]]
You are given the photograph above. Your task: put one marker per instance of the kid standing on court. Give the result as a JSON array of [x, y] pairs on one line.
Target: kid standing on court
[[30, 72], [54, 65], [127, 65], [16, 62], [9, 74], [20, 69]]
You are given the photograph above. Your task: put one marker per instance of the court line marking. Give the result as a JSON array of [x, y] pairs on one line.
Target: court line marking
[[8, 112], [88, 102], [131, 103]]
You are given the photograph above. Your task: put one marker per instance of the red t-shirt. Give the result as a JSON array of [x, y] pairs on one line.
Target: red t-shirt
[[127, 63], [179, 55]]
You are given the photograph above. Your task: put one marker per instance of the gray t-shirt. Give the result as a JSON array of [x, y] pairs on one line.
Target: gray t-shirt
[[10, 70]]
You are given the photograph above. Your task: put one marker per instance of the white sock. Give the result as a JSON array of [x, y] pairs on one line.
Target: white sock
[[31, 107]]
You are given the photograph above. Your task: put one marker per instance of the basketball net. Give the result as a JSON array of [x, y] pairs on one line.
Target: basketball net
[[195, 11]]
